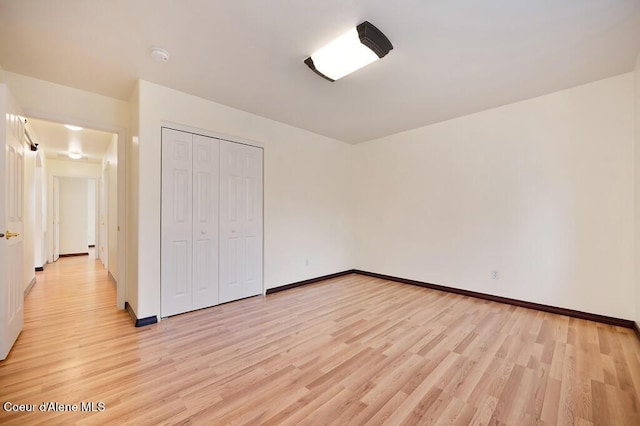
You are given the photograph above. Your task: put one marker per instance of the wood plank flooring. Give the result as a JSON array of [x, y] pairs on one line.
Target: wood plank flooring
[[351, 350]]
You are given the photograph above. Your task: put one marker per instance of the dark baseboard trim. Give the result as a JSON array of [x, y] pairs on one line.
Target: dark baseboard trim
[[309, 281], [92, 245], [74, 254], [30, 286], [522, 303], [139, 322], [545, 308], [39, 268]]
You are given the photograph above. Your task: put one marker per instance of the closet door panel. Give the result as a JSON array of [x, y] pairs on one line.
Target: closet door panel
[[231, 208], [205, 221], [252, 221], [176, 228]]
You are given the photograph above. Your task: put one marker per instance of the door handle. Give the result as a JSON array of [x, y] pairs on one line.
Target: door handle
[[11, 234]]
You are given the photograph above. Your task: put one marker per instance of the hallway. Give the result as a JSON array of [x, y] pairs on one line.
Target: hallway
[[71, 321], [72, 290]]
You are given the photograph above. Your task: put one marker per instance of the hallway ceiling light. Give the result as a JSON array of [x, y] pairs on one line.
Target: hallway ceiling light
[[75, 155], [350, 52], [73, 128]]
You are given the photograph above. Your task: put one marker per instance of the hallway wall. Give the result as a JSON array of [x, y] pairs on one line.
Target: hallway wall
[[29, 208]]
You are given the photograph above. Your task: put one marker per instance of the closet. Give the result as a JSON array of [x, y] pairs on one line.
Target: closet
[[211, 221]]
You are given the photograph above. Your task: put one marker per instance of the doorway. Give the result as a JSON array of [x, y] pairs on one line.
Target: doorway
[[82, 201]]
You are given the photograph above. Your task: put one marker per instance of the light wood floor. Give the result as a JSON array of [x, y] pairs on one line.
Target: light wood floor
[[352, 350]]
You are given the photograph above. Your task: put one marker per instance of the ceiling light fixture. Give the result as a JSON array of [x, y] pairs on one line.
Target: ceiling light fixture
[[74, 128], [159, 54], [350, 52], [75, 155]]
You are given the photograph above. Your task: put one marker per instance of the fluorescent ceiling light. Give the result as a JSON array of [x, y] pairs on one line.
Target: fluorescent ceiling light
[[75, 155], [350, 52], [74, 128]]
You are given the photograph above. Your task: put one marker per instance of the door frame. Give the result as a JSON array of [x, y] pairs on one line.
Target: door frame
[[54, 200], [122, 195]]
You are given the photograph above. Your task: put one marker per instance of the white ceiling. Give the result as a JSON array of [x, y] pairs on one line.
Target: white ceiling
[[451, 58], [56, 141]]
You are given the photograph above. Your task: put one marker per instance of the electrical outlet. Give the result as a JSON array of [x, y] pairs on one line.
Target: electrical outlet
[[495, 275], [306, 262]]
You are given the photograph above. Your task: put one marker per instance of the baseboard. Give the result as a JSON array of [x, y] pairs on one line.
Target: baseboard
[[74, 254], [39, 268], [540, 307], [516, 302], [30, 286], [139, 322], [112, 279], [309, 281]]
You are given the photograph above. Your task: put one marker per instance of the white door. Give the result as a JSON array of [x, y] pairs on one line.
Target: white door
[[176, 228], [240, 221], [252, 221], [205, 221], [56, 218], [11, 245], [73, 218], [231, 207]]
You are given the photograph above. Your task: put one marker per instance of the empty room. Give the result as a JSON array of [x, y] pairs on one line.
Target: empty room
[[339, 212]]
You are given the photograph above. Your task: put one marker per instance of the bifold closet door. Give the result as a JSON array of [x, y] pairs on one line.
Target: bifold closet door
[[240, 221], [176, 256], [205, 221], [189, 229]]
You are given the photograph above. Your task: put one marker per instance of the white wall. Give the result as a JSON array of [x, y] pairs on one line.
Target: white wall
[[44, 99], [111, 156], [73, 215], [29, 208], [40, 223], [91, 212], [73, 168], [306, 193], [540, 190], [637, 186], [132, 173]]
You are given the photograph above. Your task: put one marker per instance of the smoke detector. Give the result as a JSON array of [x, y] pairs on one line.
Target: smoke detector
[[159, 54]]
